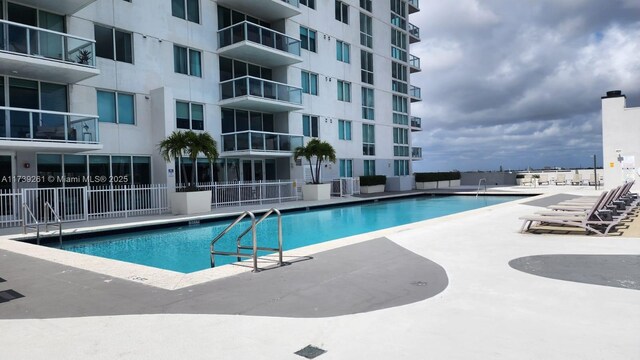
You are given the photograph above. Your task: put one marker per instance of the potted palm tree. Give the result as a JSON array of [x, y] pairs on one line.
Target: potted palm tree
[[320, 151], [189, 200]]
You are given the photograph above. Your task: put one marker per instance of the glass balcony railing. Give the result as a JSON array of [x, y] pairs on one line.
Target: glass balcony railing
[[246, 31], [415, 4], [29, 40], [260, 141], [414, 61], [416, 153], [414, 31], [41, 125], [415, 92], [295, 3], [266, 89], [416, 122]]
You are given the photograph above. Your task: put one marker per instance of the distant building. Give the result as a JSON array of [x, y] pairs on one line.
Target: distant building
[[620, 140]]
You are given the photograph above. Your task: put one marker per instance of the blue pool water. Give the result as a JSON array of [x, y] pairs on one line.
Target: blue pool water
[[186, 249]]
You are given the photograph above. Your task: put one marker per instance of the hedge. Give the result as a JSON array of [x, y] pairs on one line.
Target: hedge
[[437, 176], [373, 180]]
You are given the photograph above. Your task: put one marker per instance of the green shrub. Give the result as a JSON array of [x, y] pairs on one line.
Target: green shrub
[[373, 180], [437, 176]]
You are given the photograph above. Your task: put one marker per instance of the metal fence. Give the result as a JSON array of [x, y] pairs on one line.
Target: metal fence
[[126, 200], [252, 193], [10, 203], [345, 186]]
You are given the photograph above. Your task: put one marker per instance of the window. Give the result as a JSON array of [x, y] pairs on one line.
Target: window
[[401, 142], [367, 104], [366, 4], [369, 167], [186, 9], [242, 120], [343, 51], [399, 72], [310, 125], [400, 167], [366, 31], [309, 3], [189, 116], [342, 12], [187, 61], [309, 83], [344, 130], [344, 91], [113, 44], [231, 69], [398, 7], [368, 140], [115, 107], [346, 168], [366, 66], [308, 38]]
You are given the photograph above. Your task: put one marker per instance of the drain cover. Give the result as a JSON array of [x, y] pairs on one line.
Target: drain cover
[[310, 352], [9, 295], [419, 283]]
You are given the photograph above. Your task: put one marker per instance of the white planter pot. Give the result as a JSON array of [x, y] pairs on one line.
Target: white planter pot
[[187, 203], [371, 189], [443, 184], [313, 192], [426, 185]]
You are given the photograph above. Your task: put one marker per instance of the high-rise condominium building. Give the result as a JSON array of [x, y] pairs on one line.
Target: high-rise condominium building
[[90, 87]]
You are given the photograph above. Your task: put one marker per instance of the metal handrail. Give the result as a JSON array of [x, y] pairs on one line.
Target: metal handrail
[[27, 211], [58, 221], [479, 184], [254, 248]]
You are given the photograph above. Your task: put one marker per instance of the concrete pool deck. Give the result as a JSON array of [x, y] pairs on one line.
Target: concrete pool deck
[[488, 310]]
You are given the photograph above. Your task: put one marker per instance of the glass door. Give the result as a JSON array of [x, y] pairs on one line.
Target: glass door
[[9, 204]]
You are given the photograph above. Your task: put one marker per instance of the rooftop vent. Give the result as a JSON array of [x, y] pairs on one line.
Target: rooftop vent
[[614, 94]]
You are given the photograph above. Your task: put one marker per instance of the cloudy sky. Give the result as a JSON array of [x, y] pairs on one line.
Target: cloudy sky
[[518, 83]]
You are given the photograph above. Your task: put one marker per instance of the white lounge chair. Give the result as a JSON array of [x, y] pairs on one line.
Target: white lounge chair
[[561, 179]]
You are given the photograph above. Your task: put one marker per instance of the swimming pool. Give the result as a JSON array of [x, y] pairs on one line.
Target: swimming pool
[[186, 249]]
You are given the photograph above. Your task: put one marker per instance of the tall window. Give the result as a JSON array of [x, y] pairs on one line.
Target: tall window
[[344, 91], [400, 110], [399, 74], [115, 107], [366, 66], [342, 12], [398, 45], [368, 104], [343, 51], [368, 140], [186, 9], [187, 61], [369, 167], [308, 39], [366, 4], [366, 30], [310, 125], [401, 142], [189, 115], [309, 83], [344, 130], [400, 167], [346, 168], [309, 3], [113, 44]]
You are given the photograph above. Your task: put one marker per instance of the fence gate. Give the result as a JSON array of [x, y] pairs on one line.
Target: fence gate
[[69, 203]]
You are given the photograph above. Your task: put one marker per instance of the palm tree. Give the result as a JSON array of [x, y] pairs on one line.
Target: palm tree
[[191, 144], [321, 150]]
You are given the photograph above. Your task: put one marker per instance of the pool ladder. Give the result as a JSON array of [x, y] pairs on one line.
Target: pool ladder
[[483, 180], [254, 248], [48, 210]]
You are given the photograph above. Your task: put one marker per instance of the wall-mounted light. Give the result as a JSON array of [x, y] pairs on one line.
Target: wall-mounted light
[[26, 165]]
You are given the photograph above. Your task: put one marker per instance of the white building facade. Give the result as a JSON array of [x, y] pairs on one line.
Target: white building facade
[[91, 87], [620, 144]]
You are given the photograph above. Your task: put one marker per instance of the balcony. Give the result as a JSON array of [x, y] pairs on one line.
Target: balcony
[[414, 64], [258, 45], [255, 94], [38, 130], [416, 153], [415, 93], [416, 123], [259, 144], [414, 33], [35, 53], [414, 6], [269, 10], [66, 7]]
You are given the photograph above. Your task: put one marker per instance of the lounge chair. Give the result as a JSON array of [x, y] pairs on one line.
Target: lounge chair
[[544, 179], [561, 179], [588, 220], [576, 179], [527, 180]]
